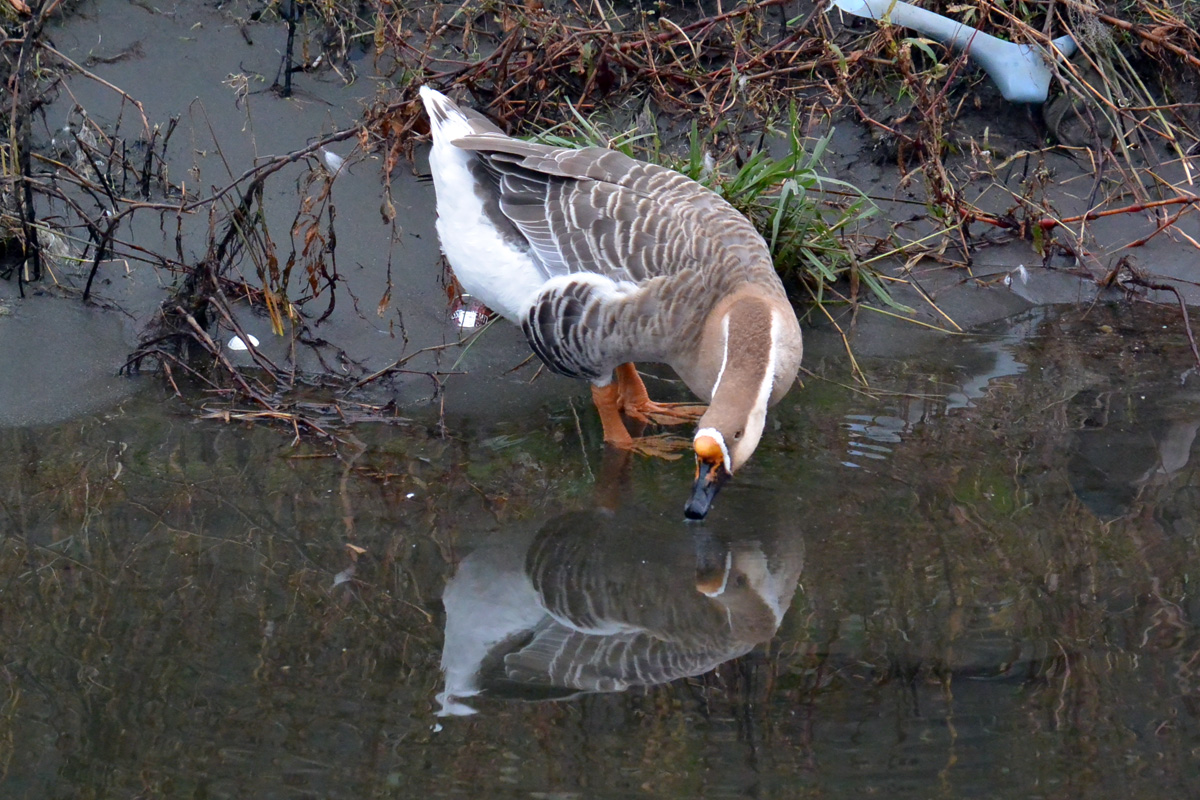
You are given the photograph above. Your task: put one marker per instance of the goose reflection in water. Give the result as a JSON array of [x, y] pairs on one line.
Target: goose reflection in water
[[602, 601]]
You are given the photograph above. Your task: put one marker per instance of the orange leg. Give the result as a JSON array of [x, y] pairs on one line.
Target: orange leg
[[608, 404], [636, 403], [607, 400]]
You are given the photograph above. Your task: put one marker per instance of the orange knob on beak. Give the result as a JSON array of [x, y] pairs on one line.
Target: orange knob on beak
[[711, 474]]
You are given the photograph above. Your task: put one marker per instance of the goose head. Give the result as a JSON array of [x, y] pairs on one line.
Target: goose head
[[754, 344], [720, 450]]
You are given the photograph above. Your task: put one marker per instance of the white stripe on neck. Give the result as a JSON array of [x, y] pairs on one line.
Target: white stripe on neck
[[768, 381], [724, 360]]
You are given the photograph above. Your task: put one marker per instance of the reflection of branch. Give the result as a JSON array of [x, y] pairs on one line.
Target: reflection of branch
[[1136, 278]]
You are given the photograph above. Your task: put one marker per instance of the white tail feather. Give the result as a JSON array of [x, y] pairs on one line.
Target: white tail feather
[[446, 121]]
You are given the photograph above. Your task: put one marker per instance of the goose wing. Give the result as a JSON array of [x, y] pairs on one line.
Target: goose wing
[[594, 210], [621, 241]]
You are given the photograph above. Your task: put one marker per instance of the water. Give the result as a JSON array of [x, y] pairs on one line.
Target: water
[[974, 581]]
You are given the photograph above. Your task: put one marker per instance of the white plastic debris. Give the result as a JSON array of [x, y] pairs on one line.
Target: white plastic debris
[[236, 342], [1021, 273], [1020, 70], [465, 318], [333, 162], [63, 139]]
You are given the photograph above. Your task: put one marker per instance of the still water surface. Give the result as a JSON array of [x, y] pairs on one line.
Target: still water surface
[[974, 580]]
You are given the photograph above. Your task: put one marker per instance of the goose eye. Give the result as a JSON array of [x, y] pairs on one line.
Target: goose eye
[[737, 435]]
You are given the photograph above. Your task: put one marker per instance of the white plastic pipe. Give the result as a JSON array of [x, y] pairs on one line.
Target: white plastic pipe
[[1020, 70]]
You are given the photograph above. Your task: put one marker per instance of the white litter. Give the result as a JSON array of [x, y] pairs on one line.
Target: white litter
[[236, 342], [466, 319], [333, 162], [1021, 273], [1021, 71]]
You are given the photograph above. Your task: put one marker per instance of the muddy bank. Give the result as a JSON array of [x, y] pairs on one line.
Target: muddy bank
[[340, 276]]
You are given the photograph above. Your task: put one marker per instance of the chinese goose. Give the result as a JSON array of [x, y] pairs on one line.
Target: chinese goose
[[603, 261]]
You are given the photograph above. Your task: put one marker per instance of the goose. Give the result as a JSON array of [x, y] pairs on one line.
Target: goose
[[604, 261]]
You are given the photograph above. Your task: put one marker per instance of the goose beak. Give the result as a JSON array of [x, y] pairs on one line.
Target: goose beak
[[710, 477]]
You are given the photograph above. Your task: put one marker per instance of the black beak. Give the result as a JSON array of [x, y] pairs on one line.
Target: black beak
[[709, 480]]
